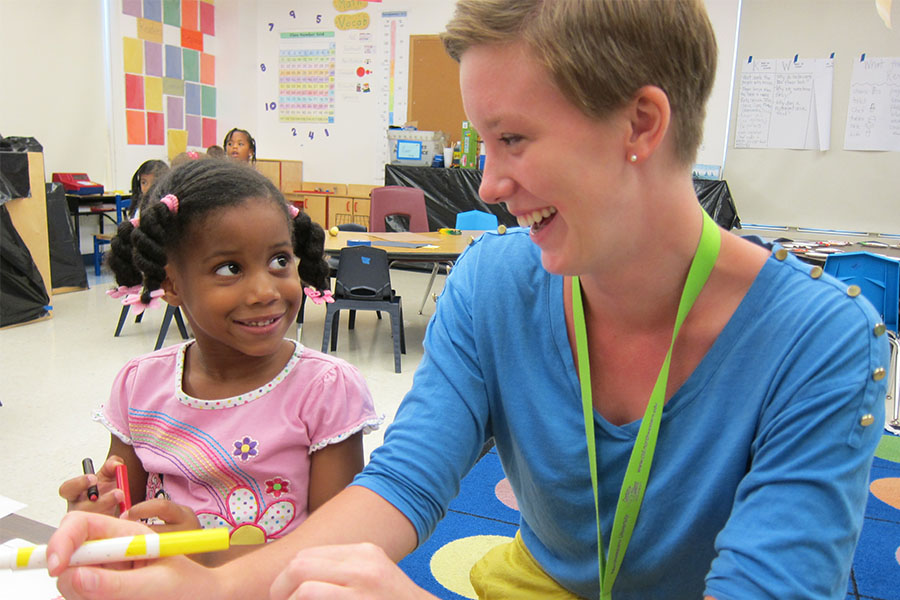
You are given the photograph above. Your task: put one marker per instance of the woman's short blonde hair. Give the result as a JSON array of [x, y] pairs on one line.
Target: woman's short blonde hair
[[601, 52]]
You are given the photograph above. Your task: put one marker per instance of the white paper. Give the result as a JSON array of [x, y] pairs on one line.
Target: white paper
[[873, 112], [785, 103], [8, 506], [27, 584]]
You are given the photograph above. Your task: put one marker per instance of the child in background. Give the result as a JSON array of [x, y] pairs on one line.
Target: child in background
[[240, 428], [240, 145], [185, 157], [143, 178], [215, 151]]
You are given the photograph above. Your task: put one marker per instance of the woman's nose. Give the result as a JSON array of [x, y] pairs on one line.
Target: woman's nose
[[496, 186]]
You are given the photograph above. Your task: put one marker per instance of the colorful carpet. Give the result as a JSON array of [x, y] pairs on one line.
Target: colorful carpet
[[485, 514]]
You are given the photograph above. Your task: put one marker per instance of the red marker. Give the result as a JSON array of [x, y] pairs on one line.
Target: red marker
[[122, 484], [87, 465]]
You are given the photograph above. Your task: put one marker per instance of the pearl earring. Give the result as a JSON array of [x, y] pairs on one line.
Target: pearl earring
[[633, 158]]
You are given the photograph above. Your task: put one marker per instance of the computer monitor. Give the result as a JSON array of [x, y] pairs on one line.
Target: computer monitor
[[409, 150]]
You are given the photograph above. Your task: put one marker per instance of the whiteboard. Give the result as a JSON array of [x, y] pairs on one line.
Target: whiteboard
[[836, 189]]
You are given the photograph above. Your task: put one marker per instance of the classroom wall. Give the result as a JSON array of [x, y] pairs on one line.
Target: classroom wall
[[833, 189]]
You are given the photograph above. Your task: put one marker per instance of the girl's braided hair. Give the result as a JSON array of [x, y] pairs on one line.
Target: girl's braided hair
[[139, 254]]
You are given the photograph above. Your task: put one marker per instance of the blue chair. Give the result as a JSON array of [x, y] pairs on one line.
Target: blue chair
[[102, 239], [878, 278], [476, 219]]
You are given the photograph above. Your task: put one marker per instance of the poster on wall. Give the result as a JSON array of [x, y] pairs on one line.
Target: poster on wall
[[326, 83], [873, 112], [169, 72], [785, 103]]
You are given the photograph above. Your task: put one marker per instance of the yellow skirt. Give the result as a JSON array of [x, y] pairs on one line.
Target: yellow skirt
[[509, 572]]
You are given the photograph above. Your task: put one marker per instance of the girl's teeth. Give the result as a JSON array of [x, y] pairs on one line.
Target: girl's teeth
[[535, 216]]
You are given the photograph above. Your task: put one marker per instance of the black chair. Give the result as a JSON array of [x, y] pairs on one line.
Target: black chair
[[332, 264], [363, 282], [172, 312]]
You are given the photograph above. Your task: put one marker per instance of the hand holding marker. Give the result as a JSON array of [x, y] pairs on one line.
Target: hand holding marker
[[122, 549]]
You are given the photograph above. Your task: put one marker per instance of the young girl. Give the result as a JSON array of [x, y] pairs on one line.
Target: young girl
[[143, 178], [240, 146], [240, 428]]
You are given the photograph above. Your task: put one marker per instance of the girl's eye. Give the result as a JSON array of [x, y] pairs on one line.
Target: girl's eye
[[228, 270], [282, 261]]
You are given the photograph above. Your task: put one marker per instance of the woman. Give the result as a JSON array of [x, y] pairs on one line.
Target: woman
[[592, 114]]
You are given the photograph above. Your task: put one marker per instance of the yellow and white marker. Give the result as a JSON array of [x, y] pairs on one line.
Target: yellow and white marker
[[134, 547]]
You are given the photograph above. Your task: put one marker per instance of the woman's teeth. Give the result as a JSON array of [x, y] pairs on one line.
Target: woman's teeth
[[535, 216]]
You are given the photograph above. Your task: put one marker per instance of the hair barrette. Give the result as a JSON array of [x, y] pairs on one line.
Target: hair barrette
[[293, 211], [171, 201], [135, 222], [123, 291], [192, 154], [318, 297], [134, 301]]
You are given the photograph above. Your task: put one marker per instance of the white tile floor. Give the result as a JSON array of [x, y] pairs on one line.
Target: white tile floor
[[54, 372]]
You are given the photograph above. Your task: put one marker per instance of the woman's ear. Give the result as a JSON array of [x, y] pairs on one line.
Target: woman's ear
[[649, 114]]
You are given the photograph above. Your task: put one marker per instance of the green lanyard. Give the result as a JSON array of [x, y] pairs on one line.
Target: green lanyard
[[638, 470]]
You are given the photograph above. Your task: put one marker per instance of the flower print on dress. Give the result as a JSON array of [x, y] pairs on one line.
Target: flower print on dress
[[277, 486], [245, 523], [245, 448]]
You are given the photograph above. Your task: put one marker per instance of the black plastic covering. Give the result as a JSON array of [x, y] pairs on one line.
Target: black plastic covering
[[451, 191], [66, 264], [14, 180], [23, 297]]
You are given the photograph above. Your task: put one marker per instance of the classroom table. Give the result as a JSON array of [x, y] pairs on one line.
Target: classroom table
[[428, 247], [14, 526], [93, 204]]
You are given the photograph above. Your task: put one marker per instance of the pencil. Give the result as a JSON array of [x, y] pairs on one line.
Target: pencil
[[133, 547]]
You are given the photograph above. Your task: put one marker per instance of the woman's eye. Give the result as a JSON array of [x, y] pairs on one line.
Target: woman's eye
[[281, 261], [228, 270]]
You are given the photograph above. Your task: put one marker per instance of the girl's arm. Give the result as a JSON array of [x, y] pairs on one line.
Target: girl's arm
[[332, 468]]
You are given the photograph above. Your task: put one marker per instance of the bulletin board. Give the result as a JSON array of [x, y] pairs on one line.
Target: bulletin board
[[331, 77], [435, 102]]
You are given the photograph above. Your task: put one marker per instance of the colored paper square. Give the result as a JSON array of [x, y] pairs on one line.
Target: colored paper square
[[134, 125], [207, 18], [191, 61], [131, 7], [134, 92], [173, 87], [194, 128], [175, 112], [153, 59], [190, 15], [156, 129], [209, 101], [210, 134], [207, 69], [150, 30], [173, 62], [133, 55], [192, 39], [172, 36], [153, 10], [153, 93], [177, 139], [172, 12], [193, 99]]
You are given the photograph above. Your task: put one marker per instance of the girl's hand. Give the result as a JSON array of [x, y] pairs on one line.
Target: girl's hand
[[175, 517], [74, 490], [346, 571]]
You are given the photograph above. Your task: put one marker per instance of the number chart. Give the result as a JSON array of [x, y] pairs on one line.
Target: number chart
[[306, 65]]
